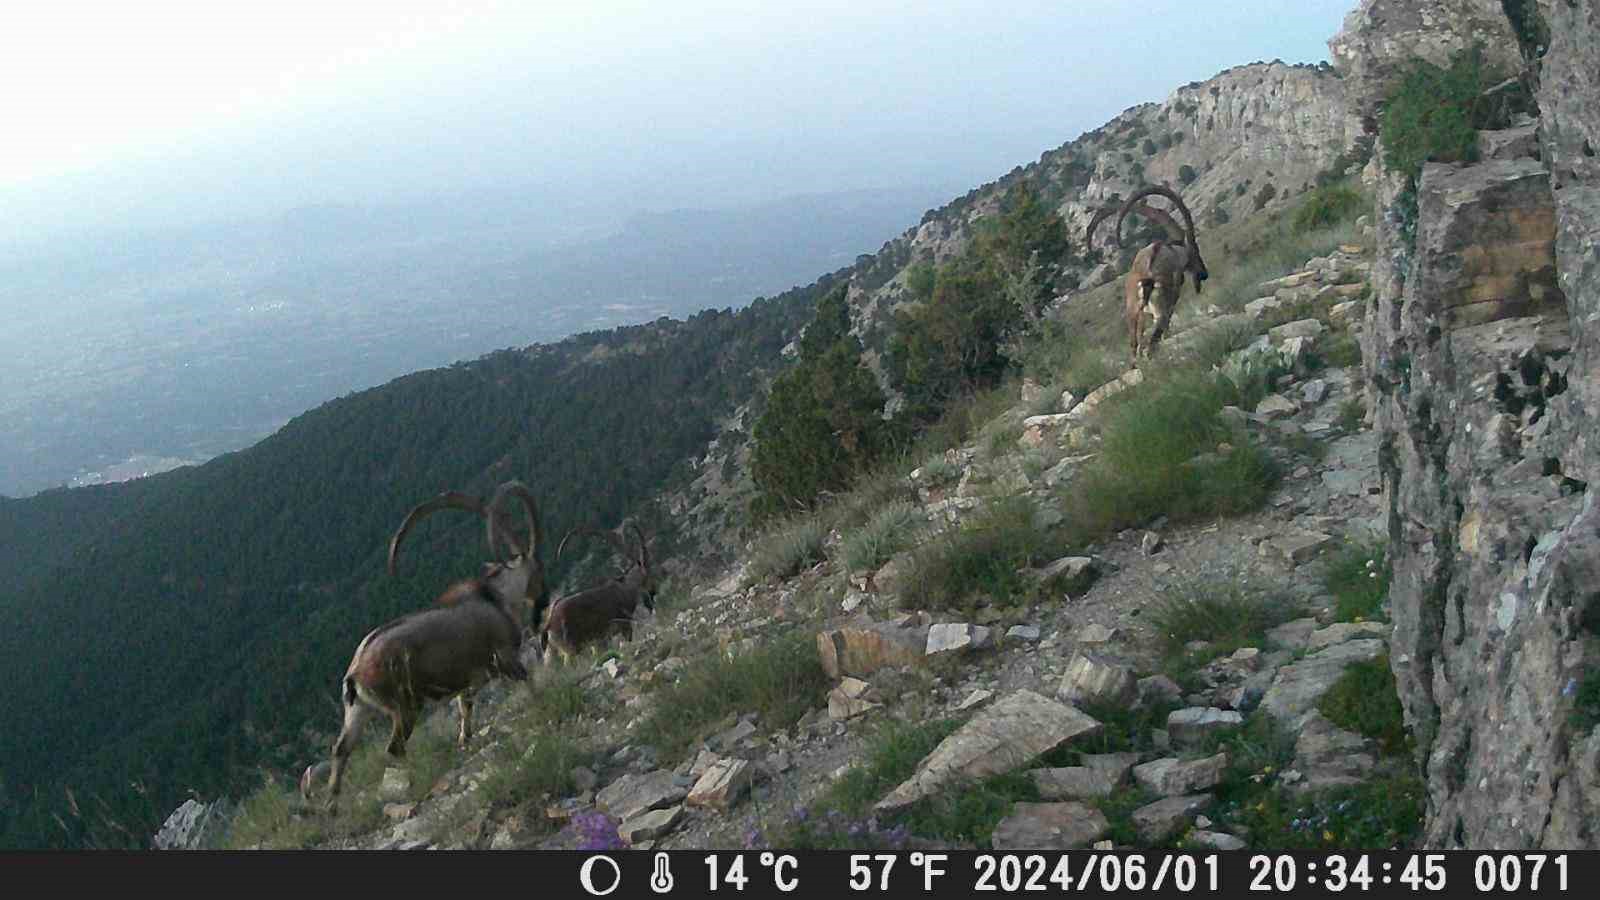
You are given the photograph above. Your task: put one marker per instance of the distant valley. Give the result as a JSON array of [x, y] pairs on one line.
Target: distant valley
[[132, 354]]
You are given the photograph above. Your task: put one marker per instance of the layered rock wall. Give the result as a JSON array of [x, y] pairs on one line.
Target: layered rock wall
[[1479, 349]]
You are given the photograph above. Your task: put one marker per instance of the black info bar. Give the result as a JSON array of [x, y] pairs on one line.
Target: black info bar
[[834, 873]]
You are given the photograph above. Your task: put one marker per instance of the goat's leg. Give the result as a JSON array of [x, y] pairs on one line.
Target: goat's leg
[[405, 719], [464, 706], [1164, 307], [355, 716]]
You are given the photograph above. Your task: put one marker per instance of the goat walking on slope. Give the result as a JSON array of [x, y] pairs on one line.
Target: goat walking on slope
[[1155, 280], [472, 633], [595, 614]]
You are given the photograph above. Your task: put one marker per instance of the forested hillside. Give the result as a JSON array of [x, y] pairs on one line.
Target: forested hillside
[[173, 632]]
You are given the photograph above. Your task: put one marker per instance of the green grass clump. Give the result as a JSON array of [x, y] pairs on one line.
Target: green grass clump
[[1352, 413], [1382, 814], [980, 558], [1225, 615], [1586, 704], [1123, 729], [535, 771], [274, 818], [890, 530], [789, 549], [1162, 453], [843, 817], [1358, 578], [1434, 114], [1364, 700], [779, 682], [1326, 206]]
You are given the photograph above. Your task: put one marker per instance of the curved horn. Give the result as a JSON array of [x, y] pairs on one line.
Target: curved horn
[[1099, 216], [1159, 217], [644, 550], [446, 500], [529, 506], [611, 536], [1164, 191]]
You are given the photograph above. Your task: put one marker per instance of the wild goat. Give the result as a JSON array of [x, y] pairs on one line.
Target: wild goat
[[472, 633], [599, 612], [1156, 277]]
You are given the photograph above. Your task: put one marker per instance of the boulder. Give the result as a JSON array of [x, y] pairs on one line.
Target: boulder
[[864, 647], [1004, 736], [632, 795], [1091, 679]]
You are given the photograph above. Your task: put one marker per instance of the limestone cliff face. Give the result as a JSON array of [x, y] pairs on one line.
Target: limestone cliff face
[[1380, 36], [1479, 348], [1249, 137]]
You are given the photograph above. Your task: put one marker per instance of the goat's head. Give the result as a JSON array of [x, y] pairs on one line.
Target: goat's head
[[516, 576], [1194, 264], [638, 572]]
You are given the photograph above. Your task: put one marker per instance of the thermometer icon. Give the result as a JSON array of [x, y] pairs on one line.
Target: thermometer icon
[[661, 878]]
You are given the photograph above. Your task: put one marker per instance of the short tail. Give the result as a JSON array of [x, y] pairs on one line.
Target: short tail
[[349, 690]]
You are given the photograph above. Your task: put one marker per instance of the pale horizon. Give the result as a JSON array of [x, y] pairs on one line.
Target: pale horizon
[[182, 113]]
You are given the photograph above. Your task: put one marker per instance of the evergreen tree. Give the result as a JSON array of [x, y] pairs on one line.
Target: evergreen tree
[[823, 419]]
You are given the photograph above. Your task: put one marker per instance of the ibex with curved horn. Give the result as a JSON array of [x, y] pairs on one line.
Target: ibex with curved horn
[[1156, 278], [599, 612], [471, 634]]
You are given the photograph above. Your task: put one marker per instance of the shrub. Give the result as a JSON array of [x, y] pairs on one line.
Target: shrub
[[1187, 174], [1327, 206], [1366, 701], [1434, 114], [823, 421]]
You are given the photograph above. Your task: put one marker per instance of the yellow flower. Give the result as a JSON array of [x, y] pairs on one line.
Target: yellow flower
[[1327, 835]]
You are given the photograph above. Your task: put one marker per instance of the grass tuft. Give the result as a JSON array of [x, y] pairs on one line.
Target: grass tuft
[[779, 682], [1358, 578], [789, 549], [981, 558], [891, 529]]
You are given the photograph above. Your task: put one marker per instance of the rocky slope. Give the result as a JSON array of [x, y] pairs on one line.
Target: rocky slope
[[1477, 339]]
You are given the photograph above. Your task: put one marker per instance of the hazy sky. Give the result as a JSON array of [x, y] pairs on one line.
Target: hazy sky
[[124, 114]]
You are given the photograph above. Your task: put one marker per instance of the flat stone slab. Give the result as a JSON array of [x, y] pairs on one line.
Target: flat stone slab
[[1292, 635], [1164, 818], [1174, 777], [1296, 547], [1340, 632], [650, 825], [632, 795], [1297, 687], [1073, 783], [1050, 826], [1189, 726], [1007, 735]]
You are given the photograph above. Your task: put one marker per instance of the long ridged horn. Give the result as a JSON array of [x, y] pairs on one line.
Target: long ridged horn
[[1099, 216], [1163, 191], [611, 536], [1161, 218], [530, 507], [446, 500], [644, 549]]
